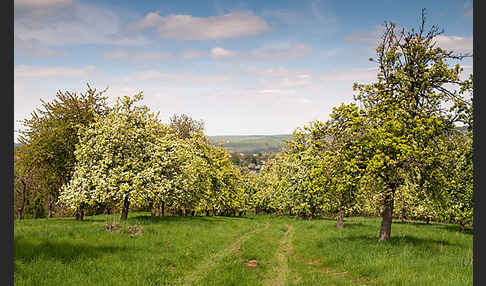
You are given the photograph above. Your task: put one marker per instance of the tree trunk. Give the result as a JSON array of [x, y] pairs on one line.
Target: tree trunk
[[193, 213], [234, 213], [183, 211], [207, 212], [107, 210], [50, 206], [80, 213], [152, 209], [20, 210], [461, 225], [403, 217], [126, 205], [340, 219], [162, 209], [387, 216]]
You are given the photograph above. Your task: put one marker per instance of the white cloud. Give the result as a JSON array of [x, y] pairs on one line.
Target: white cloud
[[290, 81], [280, 72], [192, 54], [277, 91], [282, 78], [219, 53], [187, 27], [184, 77], [468, 9], [296, 100], [329, 53], [367, 37], [283, 52], [42, 72], [279, 53], [59, 23], [29, 4], [136, 56], [34, 48], [351, 75], [455, 43]]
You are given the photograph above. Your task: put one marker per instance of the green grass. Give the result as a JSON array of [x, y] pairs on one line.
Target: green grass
[[214, 250]]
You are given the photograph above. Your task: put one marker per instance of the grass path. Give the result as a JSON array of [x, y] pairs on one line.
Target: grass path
[[280, 273], [201, 269], [333, 276], [248, 251]]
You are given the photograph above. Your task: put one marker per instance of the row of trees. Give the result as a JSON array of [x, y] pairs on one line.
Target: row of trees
[[395, 149], [130, 158], [80, 155]]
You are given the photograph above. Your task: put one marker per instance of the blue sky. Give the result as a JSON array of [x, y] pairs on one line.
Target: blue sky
[[244, 67]]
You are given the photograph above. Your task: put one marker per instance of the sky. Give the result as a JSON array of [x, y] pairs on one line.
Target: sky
[[244, 67]]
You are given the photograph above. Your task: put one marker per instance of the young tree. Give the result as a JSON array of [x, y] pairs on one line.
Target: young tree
[[184, 126], [115, 158], [405, 109], [50, 135], [341, 164], [25, 175]]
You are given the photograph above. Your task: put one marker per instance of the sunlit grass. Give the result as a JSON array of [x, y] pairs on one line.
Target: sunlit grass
[[214, 250]]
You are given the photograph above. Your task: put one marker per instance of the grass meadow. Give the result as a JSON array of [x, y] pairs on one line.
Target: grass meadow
[[253, 250]]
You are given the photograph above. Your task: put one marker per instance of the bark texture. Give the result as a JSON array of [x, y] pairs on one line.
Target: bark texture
[[340, 219], [80, 213], [387, 216], [51, 207], [126, 205], [20, 210]]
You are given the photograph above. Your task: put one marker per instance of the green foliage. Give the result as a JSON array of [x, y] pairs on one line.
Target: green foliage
[[129, 158], [398, 149], [395, 151], [405, 114], [116, 158], [184, 126], [50, 136]]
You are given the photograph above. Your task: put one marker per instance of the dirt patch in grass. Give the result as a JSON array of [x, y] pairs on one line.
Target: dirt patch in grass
[[251, 263]]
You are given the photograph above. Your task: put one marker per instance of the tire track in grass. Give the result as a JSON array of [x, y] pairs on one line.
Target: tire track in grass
[[318, 267], [201, 269], [280, 273]]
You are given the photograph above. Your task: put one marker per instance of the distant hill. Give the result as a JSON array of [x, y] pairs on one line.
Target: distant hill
[[246, 144], [251, 144]]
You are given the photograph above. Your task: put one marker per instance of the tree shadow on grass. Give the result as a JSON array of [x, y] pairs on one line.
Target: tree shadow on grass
[[312, 219], [65, 252], [456, 228], [449, 227], [173, 219], [398, 241], [417, 223], [325, 218], [354, 225]]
